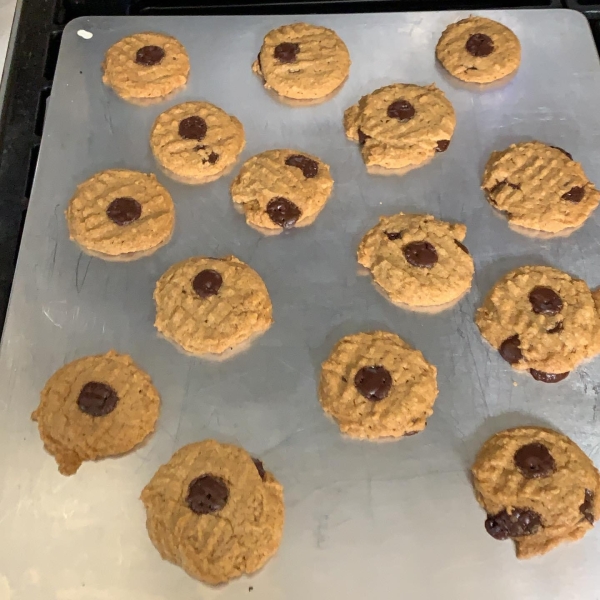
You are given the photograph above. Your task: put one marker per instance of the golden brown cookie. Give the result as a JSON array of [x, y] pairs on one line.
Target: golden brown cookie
[[375, 385], [542, 320], [537, 487], [146, 66], [196, 142], [214, 511], [401, 125], [209, 305], [418, 260], [280, 189], [121, 214], [95, 407], [479, 50], [302, 61], [539, 187]]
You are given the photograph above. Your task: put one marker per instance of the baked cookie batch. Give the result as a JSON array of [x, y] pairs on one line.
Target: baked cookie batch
[[212, 508]]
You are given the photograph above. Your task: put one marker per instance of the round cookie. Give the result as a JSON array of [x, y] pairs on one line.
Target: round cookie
[[195, 142], [537, 488], [209, 305], [478, 50], [539, 187], [542, 320], [302, 61], [121, 214], [401, 125], [214, 511], [95, 407], [146, 66], [375, 385], [417, 260], [280, 189]]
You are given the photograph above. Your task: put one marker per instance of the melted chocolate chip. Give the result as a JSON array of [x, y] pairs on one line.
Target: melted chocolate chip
[[193, 128], [394, 235], [124, 210], [286, 52], [557, 328], [207, 494], [402, 110], [374, 383], [259, 467], [207, 283], [575, 194], [545, 301], [510, 350], [563, 151], [149, 55], [212, 158], [587, 508], [534, 461], [548, 377], [97, 399], [308, 166], [479, 45], [420, 254], [362, 137], [283, 212], [521, 522], [462, 246], [442, 145]]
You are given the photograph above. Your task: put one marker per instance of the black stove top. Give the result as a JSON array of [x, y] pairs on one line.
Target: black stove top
[[30, 71]]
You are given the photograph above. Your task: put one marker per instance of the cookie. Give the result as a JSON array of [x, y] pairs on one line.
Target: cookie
[[539, 187], [95, 407], [302, 61], [146, 66], [542, 320], [478, 50], [121, 214], [401, 125], [196, 142], [209, 305], [375, 385], [214, 511], [280, 189], [537, 487], [417, 260]]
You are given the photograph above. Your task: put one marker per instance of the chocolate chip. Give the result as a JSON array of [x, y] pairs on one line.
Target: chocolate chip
[[97, 399], [501, 184], [199, 147], [286, 52], [545, 301], [587, 508], [480, 45], [259, 467], [521, 522], [308, 166], [193, 128], [374, 383], [402, 110], [420, 254], [534, 461], [207, 494], [442, 145], [563, 151], [149, 55], [213, 157], [461, 246], [124, 210], [409, 433], [575, 194], [394, 235], [510, 350], [207, 283], [283, 212], [548, 377], [557, 328], [362, 137]]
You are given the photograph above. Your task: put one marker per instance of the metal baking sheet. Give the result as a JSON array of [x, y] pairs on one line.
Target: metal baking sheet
[[364, 520]]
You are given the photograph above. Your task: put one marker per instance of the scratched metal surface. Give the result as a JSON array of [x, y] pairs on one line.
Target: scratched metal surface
[[364, 520]]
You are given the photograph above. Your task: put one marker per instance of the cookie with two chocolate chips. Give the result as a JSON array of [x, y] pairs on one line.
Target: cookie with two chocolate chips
[[281, 189], [537, 487], [214, 511]]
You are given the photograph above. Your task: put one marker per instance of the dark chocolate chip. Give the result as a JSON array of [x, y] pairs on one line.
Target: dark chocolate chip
[[501, 184], [480, 45], [308, 166], [461, 246], [97, 399], [575, 194], [362, 137], [587, 508], [213, 157], [534, 461], [442, 145], [259, 467], [394, 235], [283, 212], [374, 383], [199, 147], [207, 494], [510, 350], [402, 110], [193, 128], [124, 210], [545, 301], [149, 55], [420, 254], [286, 52], [207, 283], [520, 522], [557, 328], [548, 377], [563, 151]]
